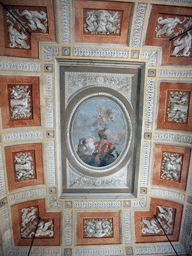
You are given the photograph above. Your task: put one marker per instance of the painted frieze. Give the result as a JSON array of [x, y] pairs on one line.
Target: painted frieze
[[102, 23], [32, 217], [24, 165], [171, 164], [170, 27], [20, 101], [23, 25], [97, 228], [168, 214], [175, 106]]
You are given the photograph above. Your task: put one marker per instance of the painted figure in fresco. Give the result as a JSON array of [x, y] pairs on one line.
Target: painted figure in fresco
[[101, 154]]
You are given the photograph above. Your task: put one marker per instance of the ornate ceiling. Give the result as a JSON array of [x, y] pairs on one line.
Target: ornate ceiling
[[95, 127]]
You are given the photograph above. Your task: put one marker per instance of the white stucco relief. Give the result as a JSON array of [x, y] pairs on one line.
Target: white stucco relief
[[29, 221], [171, 166], [19, 101], [102, 22], [98, 227], [177, 107], [17, 35], [174, 27], [24, 166], [165, 217]]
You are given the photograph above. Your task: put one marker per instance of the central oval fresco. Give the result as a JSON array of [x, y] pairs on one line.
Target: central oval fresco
[[99, 132]]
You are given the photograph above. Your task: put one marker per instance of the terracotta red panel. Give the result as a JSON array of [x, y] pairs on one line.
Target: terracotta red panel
[[158, 236], [163, 121], [32, 85], [183, 153], [163, 40], [112, 238], [21, 221], [35, 151], [124, 12], [8, 48]]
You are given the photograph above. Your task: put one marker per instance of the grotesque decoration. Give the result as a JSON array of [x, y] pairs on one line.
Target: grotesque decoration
[[29, 220], [166, 26], [98, 227], [19, 101], [177, 107], [174, 27], [17, 35], [23, 166], [34, 18], [165, 217], [171, 166], [102, 22], [17, 39], [182, 44]]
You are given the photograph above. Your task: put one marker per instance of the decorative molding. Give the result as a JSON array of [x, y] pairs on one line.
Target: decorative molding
[[189, 199], [173, 137], [100, 52], [141, 202], [75, 81], [50, 146], [179, 73], [3, 202], [53, 203], [176, 1], [15, 136], [138, 24], [49, 112], [151, 56], [79, 180], [149, 104], [187, 225], [68, 227], [103, 251], [20, 66], [190, 185], [2, 177], [97, 204], [127, 226], [65, 21], [145, 163], [49, 52], [27, 194], [157, 249], [166, 194]]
